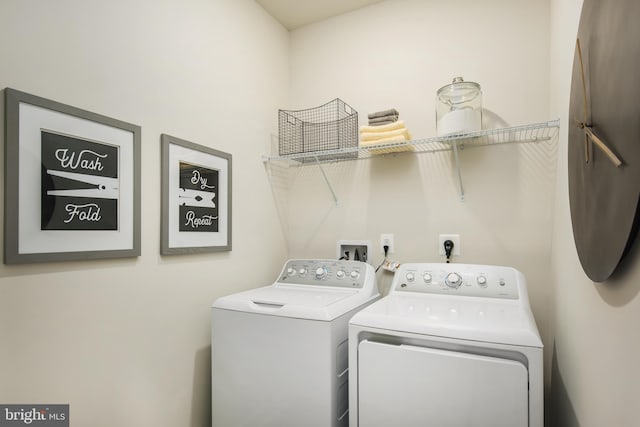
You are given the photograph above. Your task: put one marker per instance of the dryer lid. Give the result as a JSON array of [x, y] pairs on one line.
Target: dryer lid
[[475, 319]]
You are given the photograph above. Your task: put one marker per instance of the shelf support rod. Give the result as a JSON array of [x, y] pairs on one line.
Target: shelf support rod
[[457, 160], [326, 180]]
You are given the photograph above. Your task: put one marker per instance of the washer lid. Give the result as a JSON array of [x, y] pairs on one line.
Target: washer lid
[[303, 302], [468, 318]]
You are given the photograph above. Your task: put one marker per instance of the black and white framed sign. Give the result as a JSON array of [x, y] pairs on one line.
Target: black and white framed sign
[[196, 198], [72, 183]]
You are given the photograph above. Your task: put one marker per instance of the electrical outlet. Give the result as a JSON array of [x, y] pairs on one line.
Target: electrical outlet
[[455, 238], [386, 240]]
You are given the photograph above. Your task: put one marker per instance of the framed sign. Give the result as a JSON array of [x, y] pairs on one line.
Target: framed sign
[[196, 198], [72, 183]]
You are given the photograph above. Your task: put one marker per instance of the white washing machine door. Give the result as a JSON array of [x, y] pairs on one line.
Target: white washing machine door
[[404, 385]]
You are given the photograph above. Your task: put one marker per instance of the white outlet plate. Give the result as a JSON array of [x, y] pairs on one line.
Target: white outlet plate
[[387, 240], [455, 238]]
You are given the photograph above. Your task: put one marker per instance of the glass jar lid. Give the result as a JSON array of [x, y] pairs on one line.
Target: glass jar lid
[[458, 92]]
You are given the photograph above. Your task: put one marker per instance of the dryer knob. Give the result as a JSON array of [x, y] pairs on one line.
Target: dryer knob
[[321, 273], [453, 280], [410, 277]]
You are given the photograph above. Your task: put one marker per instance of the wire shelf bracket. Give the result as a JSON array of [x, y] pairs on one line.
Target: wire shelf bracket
[[326, 180]]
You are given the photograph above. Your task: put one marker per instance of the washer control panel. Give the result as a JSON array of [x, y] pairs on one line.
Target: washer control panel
[[336, 273], [460, 279]]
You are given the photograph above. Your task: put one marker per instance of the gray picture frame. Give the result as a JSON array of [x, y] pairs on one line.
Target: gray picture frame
[[175, 154], [27, 118]]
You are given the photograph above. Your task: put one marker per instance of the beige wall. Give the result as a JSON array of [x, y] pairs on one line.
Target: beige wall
[[596, 377], [397, 54], [126, 342]]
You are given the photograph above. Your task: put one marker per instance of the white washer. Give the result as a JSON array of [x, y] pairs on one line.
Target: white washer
[[452, 345], [279, 353]]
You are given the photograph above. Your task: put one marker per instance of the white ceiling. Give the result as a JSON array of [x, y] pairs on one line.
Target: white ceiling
[[297, 13]]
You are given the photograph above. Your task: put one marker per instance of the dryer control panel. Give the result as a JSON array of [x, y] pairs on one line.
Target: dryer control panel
[[459, 279], [335, 273]]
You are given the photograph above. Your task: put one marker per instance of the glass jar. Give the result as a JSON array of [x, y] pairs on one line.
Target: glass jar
[[459, 108]]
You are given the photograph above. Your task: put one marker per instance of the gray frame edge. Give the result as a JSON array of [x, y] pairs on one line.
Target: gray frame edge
[[13, 98], [11, 176], [164, 196], [165, 141]]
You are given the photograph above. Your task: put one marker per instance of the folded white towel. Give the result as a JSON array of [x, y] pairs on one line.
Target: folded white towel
[[397, 138], [383, 128], [372, 136], [393, 144]]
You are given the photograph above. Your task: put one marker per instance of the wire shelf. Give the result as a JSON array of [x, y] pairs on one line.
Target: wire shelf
[[536, 132]]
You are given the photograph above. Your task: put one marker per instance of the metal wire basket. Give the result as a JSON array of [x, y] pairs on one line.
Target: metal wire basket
[[331, 126]]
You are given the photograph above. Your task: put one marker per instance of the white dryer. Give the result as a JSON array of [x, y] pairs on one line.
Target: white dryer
[[279, 352], [452, 345]]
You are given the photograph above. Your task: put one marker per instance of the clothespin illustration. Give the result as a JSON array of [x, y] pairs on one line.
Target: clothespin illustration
[[195, 198], [103, 187]]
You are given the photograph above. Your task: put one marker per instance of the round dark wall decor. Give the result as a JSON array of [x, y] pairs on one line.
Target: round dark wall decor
[[604, 134]]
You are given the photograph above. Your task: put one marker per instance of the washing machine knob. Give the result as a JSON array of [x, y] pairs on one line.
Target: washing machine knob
[[427, 277], [410, 277], [453, 280], [340, 274], [355, 274], [321, 273], [302, 272], [291, 271], [482, 281]]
